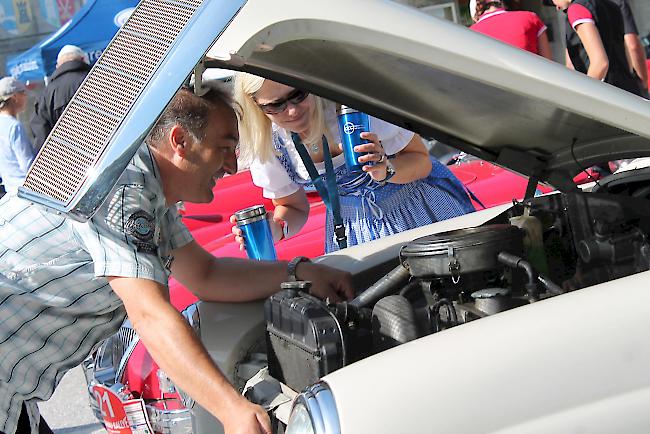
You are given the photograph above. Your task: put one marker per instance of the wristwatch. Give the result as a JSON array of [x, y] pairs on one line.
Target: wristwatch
[[390, 172], [293, 264]]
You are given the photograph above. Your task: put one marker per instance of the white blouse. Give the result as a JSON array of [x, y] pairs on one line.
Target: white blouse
[[274, 179]]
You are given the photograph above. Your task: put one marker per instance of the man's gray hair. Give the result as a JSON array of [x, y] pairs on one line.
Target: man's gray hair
[[71, 52], [190, 111]]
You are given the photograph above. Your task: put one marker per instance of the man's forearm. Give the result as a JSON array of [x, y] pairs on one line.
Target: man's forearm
[[243, 280], [238, 280], [226, 279], [174, 346]]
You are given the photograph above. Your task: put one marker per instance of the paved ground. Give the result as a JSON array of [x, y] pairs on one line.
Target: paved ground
[[68, 411]]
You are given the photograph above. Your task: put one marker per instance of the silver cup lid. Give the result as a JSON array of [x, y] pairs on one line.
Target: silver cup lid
[[345, 110], [250, 212]]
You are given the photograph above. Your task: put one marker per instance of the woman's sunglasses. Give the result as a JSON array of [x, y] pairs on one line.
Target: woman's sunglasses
[[295, 97]]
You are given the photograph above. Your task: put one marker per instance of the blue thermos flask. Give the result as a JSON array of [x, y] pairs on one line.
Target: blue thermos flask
[[351, 124], [256, 231]]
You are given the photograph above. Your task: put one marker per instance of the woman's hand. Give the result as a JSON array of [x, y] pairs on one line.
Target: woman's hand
[[239, 237], [274, 223], [375, 159], [409, 164]]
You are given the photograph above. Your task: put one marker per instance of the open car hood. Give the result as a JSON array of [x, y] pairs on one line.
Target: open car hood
[[442, 80], [425, 74]]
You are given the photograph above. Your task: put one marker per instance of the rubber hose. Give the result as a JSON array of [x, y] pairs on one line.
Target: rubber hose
[[386, 285], [515, 261], [550, 286], [393, 322]]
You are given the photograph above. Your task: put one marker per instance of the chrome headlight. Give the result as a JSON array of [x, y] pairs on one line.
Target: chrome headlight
[[314, 412]]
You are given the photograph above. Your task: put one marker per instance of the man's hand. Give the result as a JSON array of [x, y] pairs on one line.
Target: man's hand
[[246, 418], [327, 282]]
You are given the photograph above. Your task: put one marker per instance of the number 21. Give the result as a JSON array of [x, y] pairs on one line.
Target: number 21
[[103, 399]]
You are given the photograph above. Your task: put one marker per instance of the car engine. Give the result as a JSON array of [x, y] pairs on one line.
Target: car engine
[[540, 248]]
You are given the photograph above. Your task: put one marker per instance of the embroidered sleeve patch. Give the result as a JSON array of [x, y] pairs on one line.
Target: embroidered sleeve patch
[[141, 230]]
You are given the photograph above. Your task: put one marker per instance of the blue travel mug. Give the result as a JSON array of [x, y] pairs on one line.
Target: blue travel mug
[[351, 124], [256, 231]]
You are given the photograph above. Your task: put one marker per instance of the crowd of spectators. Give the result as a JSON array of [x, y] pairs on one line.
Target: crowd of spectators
[[602, 38], [17, 150]]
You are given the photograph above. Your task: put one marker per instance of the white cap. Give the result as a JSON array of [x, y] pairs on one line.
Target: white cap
[[71, 51], [9, 86]]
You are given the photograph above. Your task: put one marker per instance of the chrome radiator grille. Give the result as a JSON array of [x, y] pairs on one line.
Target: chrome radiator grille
[[122, 341], [109, 92]]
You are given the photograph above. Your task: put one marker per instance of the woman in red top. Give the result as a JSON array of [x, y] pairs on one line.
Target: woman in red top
[[522, 29]]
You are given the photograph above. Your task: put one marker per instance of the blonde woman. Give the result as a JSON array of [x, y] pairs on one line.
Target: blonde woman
[[399, 188]]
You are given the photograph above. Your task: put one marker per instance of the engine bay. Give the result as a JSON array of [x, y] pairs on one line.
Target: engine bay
[[540, 248]]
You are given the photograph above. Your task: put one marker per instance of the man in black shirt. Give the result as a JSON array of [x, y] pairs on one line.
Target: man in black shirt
[[595, 42], [634, 47], [71, 70]]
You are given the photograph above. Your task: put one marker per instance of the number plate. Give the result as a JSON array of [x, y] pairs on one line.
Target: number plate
[[122, 416]]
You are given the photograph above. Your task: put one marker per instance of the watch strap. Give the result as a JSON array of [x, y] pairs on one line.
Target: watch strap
[[390, 172], [293, 265], [285, 229]]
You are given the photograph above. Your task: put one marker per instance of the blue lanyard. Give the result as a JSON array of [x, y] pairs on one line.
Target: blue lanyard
[[330, 192]]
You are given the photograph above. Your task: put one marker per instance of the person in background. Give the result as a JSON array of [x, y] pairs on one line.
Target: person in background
[[400, 187], [635, 50], [71, 70], [596, 46], [16, 151], [523, 29]]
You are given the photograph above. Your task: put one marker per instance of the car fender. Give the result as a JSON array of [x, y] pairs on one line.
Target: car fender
[[228, 332], [536, 369]]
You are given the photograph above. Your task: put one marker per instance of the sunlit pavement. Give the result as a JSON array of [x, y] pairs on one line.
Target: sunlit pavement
[[68, 411]]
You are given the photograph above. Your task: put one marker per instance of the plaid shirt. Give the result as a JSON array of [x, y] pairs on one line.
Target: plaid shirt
[[55, 301]]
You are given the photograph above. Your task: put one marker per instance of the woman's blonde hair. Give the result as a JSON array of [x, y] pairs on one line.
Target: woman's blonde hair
[[256, 129]]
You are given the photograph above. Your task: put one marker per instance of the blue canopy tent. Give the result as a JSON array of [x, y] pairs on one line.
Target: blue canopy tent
[[91, 29]]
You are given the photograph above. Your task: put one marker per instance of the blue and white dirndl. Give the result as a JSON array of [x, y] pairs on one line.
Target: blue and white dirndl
[[370, 211]]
